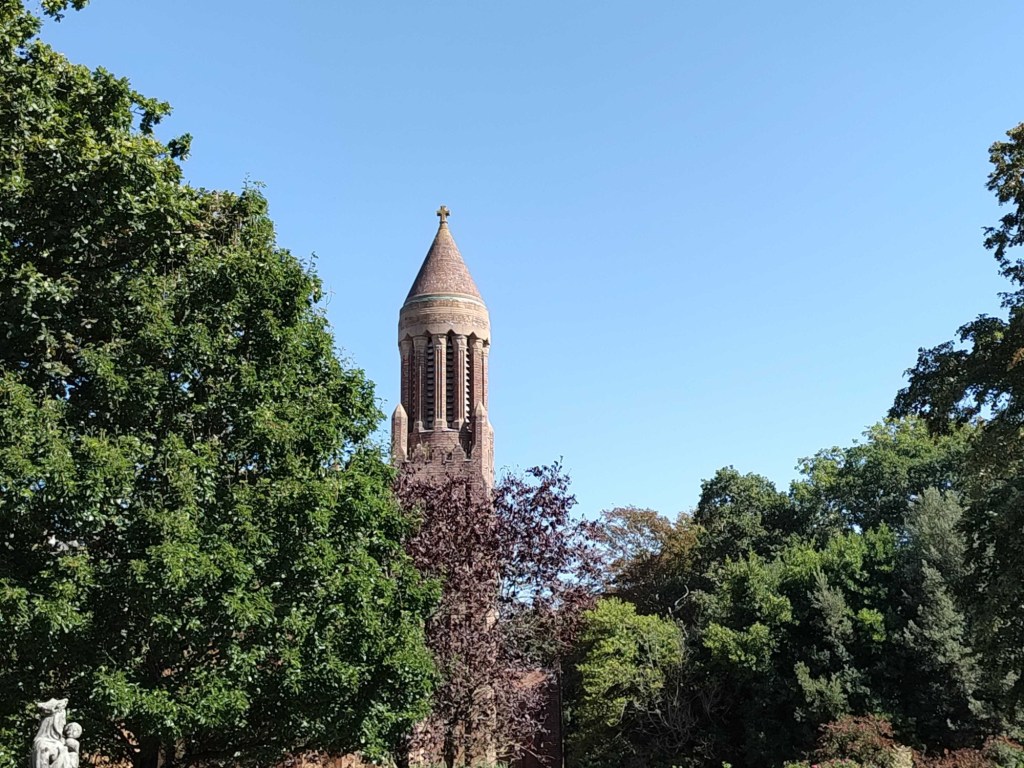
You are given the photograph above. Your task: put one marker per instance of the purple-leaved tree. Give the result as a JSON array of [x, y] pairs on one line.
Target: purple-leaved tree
[[516, 572]]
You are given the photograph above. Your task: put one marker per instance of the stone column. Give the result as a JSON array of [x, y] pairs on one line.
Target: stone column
[[485, 351], [405, 397], [440, 398], [399, 436], [419, 383], [460, 415], [476, 364]]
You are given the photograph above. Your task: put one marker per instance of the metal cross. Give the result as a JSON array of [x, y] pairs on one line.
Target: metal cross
[[443, 212]]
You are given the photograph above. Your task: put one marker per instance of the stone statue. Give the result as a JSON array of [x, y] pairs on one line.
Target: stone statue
[[71, 733], [56, 742]]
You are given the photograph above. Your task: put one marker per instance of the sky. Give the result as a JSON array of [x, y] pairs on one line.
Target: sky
[[708, 233]]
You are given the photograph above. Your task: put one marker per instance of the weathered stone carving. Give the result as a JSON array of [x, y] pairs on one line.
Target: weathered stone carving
[[56, 742], [71, 733]]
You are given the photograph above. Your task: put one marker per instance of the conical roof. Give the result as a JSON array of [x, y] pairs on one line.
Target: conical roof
[[443, 273]]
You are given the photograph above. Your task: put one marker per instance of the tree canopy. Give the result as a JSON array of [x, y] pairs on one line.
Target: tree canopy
[[516, 571], [201, 546], [843, 595], [877, 599], [977, 378]]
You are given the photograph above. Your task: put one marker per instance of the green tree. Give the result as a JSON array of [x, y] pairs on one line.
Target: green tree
[[655, 564], [829, 600], [200, 545], [648, 558], [630, 705], [978, 379], [872, 482], [931, 641], [742, 513], [793, 641]]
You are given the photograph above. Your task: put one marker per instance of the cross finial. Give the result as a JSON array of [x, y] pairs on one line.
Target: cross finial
[[443, 214]]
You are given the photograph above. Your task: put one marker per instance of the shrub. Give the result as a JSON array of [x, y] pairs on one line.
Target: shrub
[[867, 741], [1004, 753], [958, 758]]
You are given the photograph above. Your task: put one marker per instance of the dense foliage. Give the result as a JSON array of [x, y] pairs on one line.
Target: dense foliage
[[978, 379], [630, 675], [870, 615], [791, 610], [200, 544], [516, 572]]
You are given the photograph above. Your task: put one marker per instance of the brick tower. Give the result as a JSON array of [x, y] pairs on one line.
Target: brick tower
[[440, 427]]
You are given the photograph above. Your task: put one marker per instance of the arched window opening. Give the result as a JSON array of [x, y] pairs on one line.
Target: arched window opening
[[468, 390], [449, 380], [429, 387]]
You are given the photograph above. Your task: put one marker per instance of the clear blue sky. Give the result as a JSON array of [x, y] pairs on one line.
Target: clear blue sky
[[707, 233]]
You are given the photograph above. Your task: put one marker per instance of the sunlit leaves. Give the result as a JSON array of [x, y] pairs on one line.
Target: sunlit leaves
[[199, 543]]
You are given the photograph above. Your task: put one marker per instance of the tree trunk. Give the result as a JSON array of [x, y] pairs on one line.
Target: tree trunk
[[450, 748], [150, 754]]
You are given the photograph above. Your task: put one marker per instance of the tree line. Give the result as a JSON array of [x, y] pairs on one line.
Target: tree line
[[870, 613]]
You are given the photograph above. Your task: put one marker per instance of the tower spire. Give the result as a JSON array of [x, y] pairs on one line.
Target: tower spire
[[443, 272], [440, 427]]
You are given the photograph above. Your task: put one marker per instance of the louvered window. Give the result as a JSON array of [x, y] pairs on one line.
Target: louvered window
[[429, 387], [449, 380], [468, 373]]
